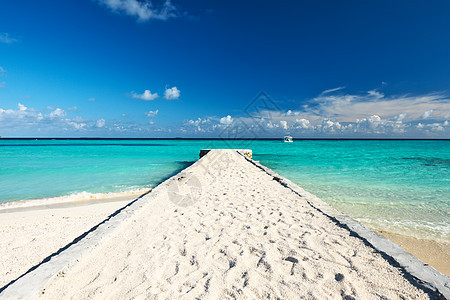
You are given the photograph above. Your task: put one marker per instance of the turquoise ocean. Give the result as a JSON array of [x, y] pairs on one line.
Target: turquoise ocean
[[401, 186]]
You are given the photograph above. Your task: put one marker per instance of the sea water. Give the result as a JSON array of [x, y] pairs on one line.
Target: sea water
[[393, 185]]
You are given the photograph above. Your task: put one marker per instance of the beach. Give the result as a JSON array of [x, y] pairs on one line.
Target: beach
[[221, 228], [28, 235]]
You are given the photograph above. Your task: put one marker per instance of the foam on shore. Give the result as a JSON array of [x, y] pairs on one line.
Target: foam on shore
[[75, 198], [419, 230]]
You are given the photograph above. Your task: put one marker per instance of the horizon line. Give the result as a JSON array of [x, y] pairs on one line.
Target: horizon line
[[224, 139]]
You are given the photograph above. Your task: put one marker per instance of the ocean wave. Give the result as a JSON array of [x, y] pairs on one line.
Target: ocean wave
[[75, 197], [419, 229]]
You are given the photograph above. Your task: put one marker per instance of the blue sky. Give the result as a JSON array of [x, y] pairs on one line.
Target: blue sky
[[129, 68]]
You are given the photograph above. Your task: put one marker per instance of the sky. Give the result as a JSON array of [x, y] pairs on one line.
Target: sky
[[257, 69]]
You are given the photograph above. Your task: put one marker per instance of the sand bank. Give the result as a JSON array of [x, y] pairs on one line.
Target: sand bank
[[30, 234], [222, 228]]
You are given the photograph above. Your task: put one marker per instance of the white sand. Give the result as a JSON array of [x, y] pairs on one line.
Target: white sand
[[434, 253], [242, 234], [27, 236]]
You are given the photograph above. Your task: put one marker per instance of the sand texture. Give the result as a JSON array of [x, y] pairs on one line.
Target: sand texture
[[225, 229], [434, 253], [27, 236]]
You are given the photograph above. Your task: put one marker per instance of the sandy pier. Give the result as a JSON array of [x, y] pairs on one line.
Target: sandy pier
[[223, 228]]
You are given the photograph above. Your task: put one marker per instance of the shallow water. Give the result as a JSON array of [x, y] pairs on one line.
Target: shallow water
[[397, 186]]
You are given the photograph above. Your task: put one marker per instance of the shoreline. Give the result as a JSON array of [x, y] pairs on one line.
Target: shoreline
[[81, 198], [30, 234], [87, 198]]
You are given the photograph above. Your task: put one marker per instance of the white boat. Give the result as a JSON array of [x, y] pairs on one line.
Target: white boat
[[288, 139]]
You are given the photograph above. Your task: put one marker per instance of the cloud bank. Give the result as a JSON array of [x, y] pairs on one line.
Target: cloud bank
[[329, 115], [24, 119], [348, 107], [371, 114]]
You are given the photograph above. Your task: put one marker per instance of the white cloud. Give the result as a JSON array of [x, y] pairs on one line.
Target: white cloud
[[91, 99], [57, 113], [100, 123], [289, 113], [270, 125], [302, 123], [27, 120], [437, 129], [371, 126], [348, 107], [226, 120], [197, 122], [151, 113], [370, 114], [200, 125], [147, 95], [332, 90], [401, 117], [375, 94], [2, 73], [4, 38], [426, 114], [172, 93], [21, 106], [143, 10], [77, 125], [329, 126]]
